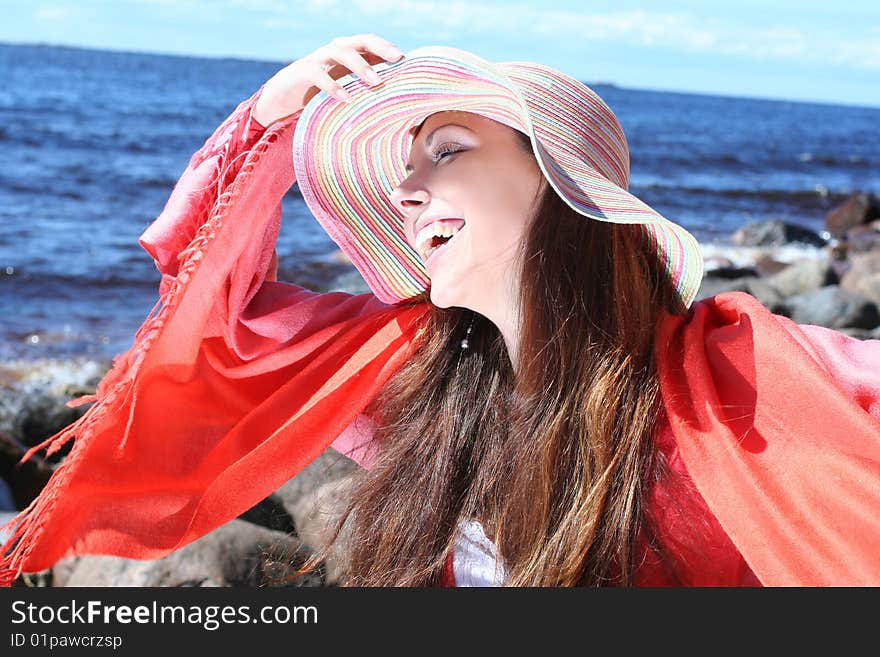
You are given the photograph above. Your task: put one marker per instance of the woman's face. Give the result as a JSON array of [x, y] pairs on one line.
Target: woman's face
[[472, 173]]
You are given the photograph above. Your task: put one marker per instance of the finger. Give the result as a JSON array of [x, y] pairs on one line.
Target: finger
[[355, 63], [372, 59], [323, 81], [374, 44]]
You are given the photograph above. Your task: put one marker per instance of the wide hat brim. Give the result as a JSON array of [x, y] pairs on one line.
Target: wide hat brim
[[349, 156]]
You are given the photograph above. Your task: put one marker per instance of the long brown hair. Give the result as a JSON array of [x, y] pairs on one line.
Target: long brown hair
[[554, 459]]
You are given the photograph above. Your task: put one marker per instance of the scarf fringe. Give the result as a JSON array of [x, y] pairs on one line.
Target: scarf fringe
[[114, 392]]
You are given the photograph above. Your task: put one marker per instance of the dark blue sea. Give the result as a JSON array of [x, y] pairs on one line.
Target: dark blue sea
[[92, 143]]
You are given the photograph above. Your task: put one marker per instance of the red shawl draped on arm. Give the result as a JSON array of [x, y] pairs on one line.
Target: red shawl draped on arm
[[779, 427]]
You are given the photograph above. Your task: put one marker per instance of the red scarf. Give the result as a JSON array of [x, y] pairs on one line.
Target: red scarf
[[779, 427], [239, 381]]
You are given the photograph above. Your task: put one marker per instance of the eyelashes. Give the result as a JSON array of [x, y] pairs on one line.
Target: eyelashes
[[443, 150]]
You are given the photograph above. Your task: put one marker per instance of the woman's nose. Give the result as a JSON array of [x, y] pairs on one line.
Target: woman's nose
[[409, 199]]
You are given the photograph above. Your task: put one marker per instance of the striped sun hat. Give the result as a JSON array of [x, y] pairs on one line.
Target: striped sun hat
[[349, 156]]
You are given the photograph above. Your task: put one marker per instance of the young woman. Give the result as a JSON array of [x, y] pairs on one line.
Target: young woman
[[533, 394]]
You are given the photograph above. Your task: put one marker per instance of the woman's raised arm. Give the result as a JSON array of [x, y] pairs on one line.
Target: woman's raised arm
[[242, 158]]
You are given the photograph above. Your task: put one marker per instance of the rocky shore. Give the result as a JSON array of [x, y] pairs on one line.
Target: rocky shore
[[831, 279]]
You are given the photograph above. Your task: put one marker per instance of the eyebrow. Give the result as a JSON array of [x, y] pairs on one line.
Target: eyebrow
[[408, 168]]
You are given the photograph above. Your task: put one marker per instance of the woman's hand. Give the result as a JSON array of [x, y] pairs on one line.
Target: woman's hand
[[291, 88]]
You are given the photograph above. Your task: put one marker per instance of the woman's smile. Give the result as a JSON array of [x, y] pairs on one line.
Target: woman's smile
[[467, 203], [433, 253]]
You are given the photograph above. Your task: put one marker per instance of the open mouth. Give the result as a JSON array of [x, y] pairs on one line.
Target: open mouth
[[439, 244], [437, 236]]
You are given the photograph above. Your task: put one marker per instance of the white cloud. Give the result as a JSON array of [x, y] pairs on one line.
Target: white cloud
[[55, 12], [747, 36], [673, 31], [322, 4], [432, 19], [277, 6]]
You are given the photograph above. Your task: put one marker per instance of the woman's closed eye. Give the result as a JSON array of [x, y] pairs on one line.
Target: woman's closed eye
[[445, 149]]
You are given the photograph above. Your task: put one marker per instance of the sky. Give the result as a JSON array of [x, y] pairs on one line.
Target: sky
[[782, 49]]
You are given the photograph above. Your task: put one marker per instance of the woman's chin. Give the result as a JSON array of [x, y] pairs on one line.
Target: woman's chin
[[443, 297], [439, 299]]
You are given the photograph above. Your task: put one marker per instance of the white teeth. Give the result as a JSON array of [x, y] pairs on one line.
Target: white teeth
[[435, 229]]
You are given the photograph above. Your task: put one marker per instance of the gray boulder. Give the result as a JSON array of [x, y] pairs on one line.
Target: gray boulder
[[351, 282], [775, 232], [235, 554], [857, 209], [863, 275], [834, 307], [314, 498], [767, 265], [328, 467], [6, 501], [862, 238], [803, 276], [757, 287], [318, 513], [861, 334], [24, 481]]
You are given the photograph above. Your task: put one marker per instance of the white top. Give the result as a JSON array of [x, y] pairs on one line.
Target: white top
[[474, 561]]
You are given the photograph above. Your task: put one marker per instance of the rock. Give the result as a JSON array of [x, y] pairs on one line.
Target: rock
[[24, 480], [775, 232], [715, 262], [731, 272], [863, 275], [235, 554], [271, 514], [329, 466], [803, 276], [857, 209], [351, 282], [862, 238], [284, 510], [837, 250], [767, 265], [5, 516], [860, 334], [314, 498], [33, 394], [834, 307], [318, 514], [10, 376], [758, 288], [42, 415], [6, 502]]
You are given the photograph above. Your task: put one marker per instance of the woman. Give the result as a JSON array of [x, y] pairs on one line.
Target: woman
[[535, 401]]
